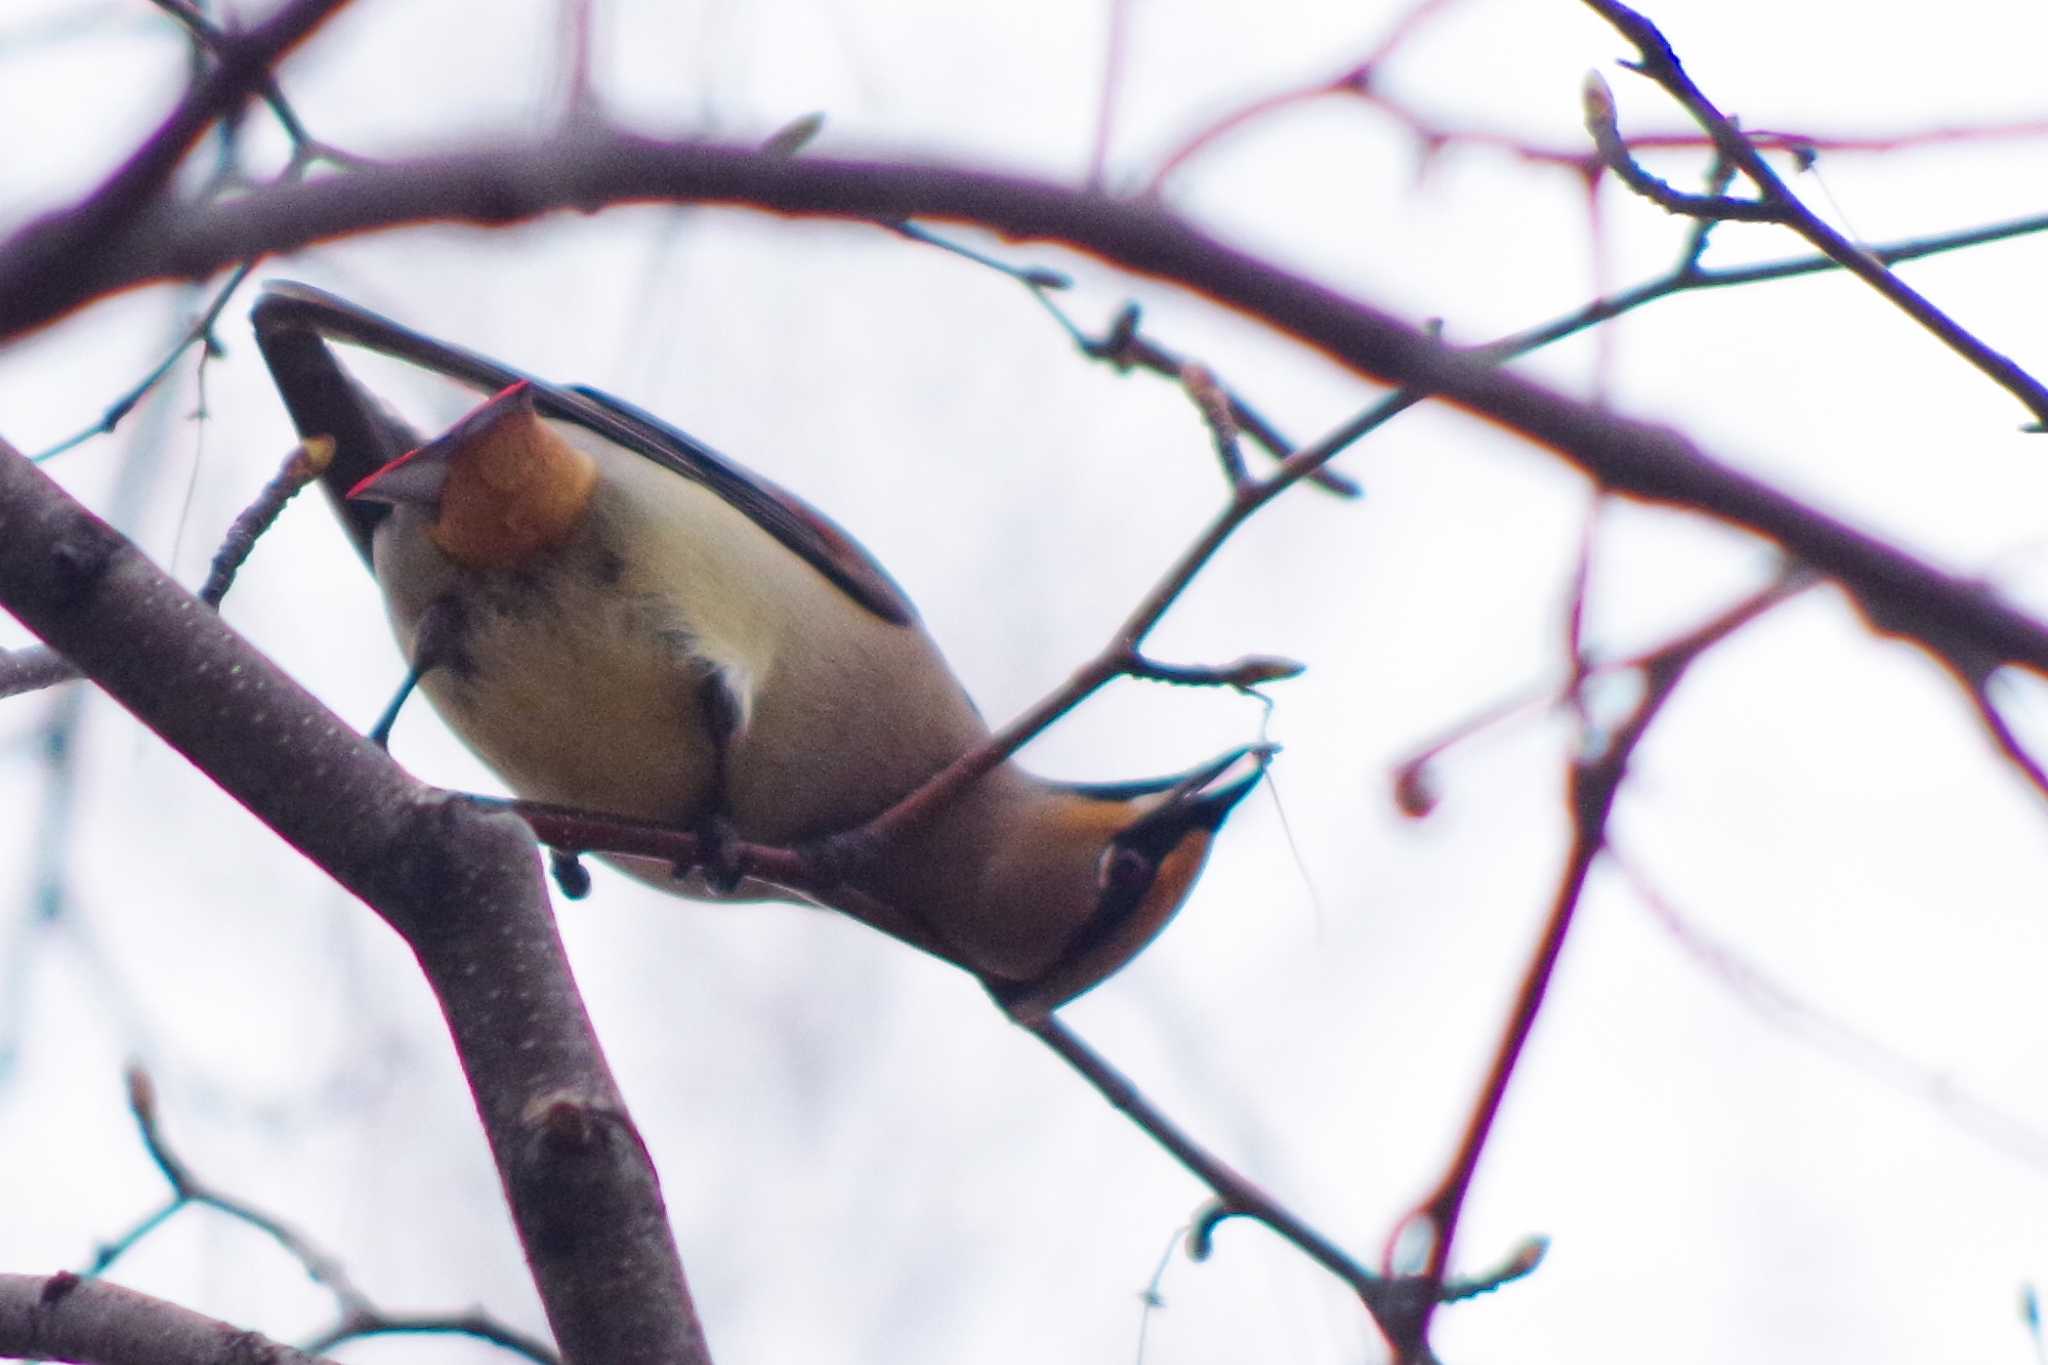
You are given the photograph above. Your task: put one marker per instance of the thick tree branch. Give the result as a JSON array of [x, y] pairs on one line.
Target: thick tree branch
[[36, 262], [64, 1317], [590, 169], [460, 885]]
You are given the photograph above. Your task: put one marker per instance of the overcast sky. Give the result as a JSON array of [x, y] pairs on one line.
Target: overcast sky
[[1832, 1145]]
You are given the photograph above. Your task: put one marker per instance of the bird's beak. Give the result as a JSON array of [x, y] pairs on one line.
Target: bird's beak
[[416, 478], [419, 476], [1202, 798]]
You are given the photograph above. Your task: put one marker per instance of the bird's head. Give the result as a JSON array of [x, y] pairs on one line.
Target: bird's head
[[500, 485], [1142, 845]]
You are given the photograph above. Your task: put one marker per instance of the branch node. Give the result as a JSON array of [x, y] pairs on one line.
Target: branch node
[[1243, 674], [57, 1287]]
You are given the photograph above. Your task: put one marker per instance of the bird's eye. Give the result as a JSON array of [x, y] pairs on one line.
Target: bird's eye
[[1124, 871]]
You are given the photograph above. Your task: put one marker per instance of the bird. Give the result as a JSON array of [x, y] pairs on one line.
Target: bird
[[616, 618]]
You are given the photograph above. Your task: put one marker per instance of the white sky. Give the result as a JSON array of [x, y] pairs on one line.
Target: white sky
[[863, 1161]]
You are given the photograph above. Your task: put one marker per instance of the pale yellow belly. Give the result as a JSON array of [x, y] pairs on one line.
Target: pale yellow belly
[[579, 710]]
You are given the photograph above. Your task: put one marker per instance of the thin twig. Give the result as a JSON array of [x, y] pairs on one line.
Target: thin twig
[[1595, 782], [1115, 56], [211, 37], [1615, 155], [1121, 346], [1126, 347], [358, 1315], [1660, 64], [1151, 1300], [1214, 404], [1238, 1195], [187, 1188], [1995, 724], [200, 331], [300, 468], [474, 1325], [31, 669], [1391, 1301], [1786, 1009], [578, 27], [35, 667]]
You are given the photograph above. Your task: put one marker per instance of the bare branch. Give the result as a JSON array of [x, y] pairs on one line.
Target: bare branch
[[1615, 155], [31, 669], [1237, 1194], [1786, 1009], [201, 331], [1595, 782], [64, 1317], [461, 886], [187, 1188], [1660, 64], [477, 1326], [1126, 347], [359, 1316], [1395, 1303], [212, 38], [34, 262], [300, 468], [1900, 593]]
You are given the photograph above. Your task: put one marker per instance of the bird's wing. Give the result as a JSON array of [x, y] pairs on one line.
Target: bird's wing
[[292, 321]]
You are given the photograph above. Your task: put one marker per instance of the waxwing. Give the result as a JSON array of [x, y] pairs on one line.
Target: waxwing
[[619, 619]]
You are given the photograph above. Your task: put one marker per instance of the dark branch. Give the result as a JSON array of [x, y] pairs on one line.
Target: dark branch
[[64, 1317], [36, 261], [1660, 64], [463, 887], [32, 669], [518, 181]]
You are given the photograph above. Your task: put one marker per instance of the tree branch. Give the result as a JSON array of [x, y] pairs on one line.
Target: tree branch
[[1594, 784], [589, 169], [36, 260], [460, 885], [64, 1317], [1776, 202]]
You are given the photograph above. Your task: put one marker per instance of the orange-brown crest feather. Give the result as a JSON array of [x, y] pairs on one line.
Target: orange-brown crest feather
[[514, 488]]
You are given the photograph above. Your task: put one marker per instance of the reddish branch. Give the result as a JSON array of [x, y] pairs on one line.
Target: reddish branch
[[1595, 782], [1359, 82]]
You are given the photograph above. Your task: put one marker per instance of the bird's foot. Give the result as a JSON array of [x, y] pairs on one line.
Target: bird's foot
[[718, 854], [569, 873]]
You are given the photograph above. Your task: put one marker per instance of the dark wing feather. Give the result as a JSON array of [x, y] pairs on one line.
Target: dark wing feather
[[293, 321], [776, 510], [324, 399]]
